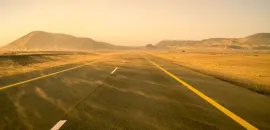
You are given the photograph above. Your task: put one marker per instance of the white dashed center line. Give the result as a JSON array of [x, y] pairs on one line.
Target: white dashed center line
[[59, 125], [114, 70]]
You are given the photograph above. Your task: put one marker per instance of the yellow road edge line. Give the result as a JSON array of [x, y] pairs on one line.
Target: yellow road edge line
[[47, 75], [227, 112]]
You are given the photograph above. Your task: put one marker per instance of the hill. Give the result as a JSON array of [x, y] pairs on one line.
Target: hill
[[39, 40], [150, 46], [259, 41]]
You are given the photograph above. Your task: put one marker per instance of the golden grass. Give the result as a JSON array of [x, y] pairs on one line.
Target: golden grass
[[10, 66], [253, 66]]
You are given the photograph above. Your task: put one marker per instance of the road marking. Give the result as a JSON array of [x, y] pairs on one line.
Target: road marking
[[47, 75], [114, 70], [59, 124], [227, 112]]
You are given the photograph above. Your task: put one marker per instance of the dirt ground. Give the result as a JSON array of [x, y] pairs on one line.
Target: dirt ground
[[247, 68]]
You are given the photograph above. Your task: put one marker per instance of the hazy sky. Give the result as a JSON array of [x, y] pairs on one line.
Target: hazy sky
[[134, 22]]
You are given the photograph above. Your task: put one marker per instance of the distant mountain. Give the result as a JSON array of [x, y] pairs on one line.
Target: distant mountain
[[259, 41], [172, 43], [150, 46], [39, 40]]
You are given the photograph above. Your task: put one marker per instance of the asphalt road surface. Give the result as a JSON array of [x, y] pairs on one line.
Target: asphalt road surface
[[127, 91]]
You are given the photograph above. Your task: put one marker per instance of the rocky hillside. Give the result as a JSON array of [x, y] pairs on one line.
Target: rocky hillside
[[259, 41], [40, 41]]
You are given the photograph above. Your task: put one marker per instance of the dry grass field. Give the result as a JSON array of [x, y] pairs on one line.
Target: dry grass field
[[248, 69], [20, 62]]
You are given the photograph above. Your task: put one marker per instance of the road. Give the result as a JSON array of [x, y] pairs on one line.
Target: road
[[127, 91]]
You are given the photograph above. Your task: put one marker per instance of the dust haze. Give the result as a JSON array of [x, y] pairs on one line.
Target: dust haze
[[49, 76]]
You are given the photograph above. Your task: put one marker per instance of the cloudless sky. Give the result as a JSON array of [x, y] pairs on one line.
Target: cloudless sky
[[135, 22]]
